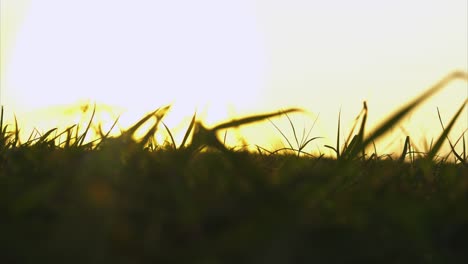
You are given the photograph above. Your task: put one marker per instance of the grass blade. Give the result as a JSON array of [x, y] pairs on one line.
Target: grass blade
[[82, 137], [170, 135], [464, 148], [159, 116], [445, 132], [189, 130], [452, 146], [43, 138], [252, 119], [406, 149], [293, 129], [384, 127], [281, 132], [338, 136], [129, 132], [307, 142], [16, 139]]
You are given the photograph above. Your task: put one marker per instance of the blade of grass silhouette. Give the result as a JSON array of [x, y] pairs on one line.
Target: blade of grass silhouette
[[293, 129], [438, 144], [351, 149], [282, 134], [224, 138], [68, 138], [307, 142], [82, 137], [350, 135], [305, 138], [456, 154], [260, 148], [204, 136], [338, 136], [406, 148], [330, 147], [103, 136], [452, 146], [337, 149], [356, 144], [253, 119], [149, 134], [76, 134], [346, 153], [362, 130], [44, 137], [386, 125], [375, 149], [16, 139], [127, 134], [159, 114], [464, 149], [189, 130], [126, 140], [2, 133], [174, 146]]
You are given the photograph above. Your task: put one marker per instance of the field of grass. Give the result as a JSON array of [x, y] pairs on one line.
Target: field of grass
[[121, 200]]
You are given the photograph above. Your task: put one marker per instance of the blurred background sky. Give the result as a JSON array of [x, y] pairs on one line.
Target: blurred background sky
[[231, 58]]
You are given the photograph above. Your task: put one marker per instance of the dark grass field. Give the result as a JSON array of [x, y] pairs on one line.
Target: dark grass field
[[120, 200], [79, 206]]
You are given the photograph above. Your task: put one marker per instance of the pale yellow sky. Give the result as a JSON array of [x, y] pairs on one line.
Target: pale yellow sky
[[233, 57]]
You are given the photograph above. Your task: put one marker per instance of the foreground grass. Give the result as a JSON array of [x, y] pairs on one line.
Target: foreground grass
[[121, 200]]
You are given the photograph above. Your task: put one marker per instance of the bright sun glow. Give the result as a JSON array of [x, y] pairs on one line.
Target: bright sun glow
[[231, 58]]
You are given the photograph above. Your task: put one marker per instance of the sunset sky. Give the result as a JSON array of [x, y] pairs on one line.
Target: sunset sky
[[232, 58]]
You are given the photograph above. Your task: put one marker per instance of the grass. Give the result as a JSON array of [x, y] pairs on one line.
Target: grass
[[122, 200]]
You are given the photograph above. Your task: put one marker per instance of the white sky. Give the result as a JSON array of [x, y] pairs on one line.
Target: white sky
[[242, 55]]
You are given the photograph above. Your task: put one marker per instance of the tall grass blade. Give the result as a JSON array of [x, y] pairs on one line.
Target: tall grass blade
[[293, 129], [337, 148], [452, 146], [349, 151], [149, 134], [82, 137], [189, 130], [16, 139], [207, 137], [44, 137], [352, 150], [282, 134], [338, 154], [174, 146], [2, 135], [332, 148], [304, 139], [360, 146], [406, 149], [438, 144], [129, 132], [225, 137], [384, 127], [68, 138], [351, 132], [252, 119], [105, 136], [302, 146], [159, 116], [464, 148]]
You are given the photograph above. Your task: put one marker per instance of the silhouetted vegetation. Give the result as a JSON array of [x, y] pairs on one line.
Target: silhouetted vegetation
[[126, 200]]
